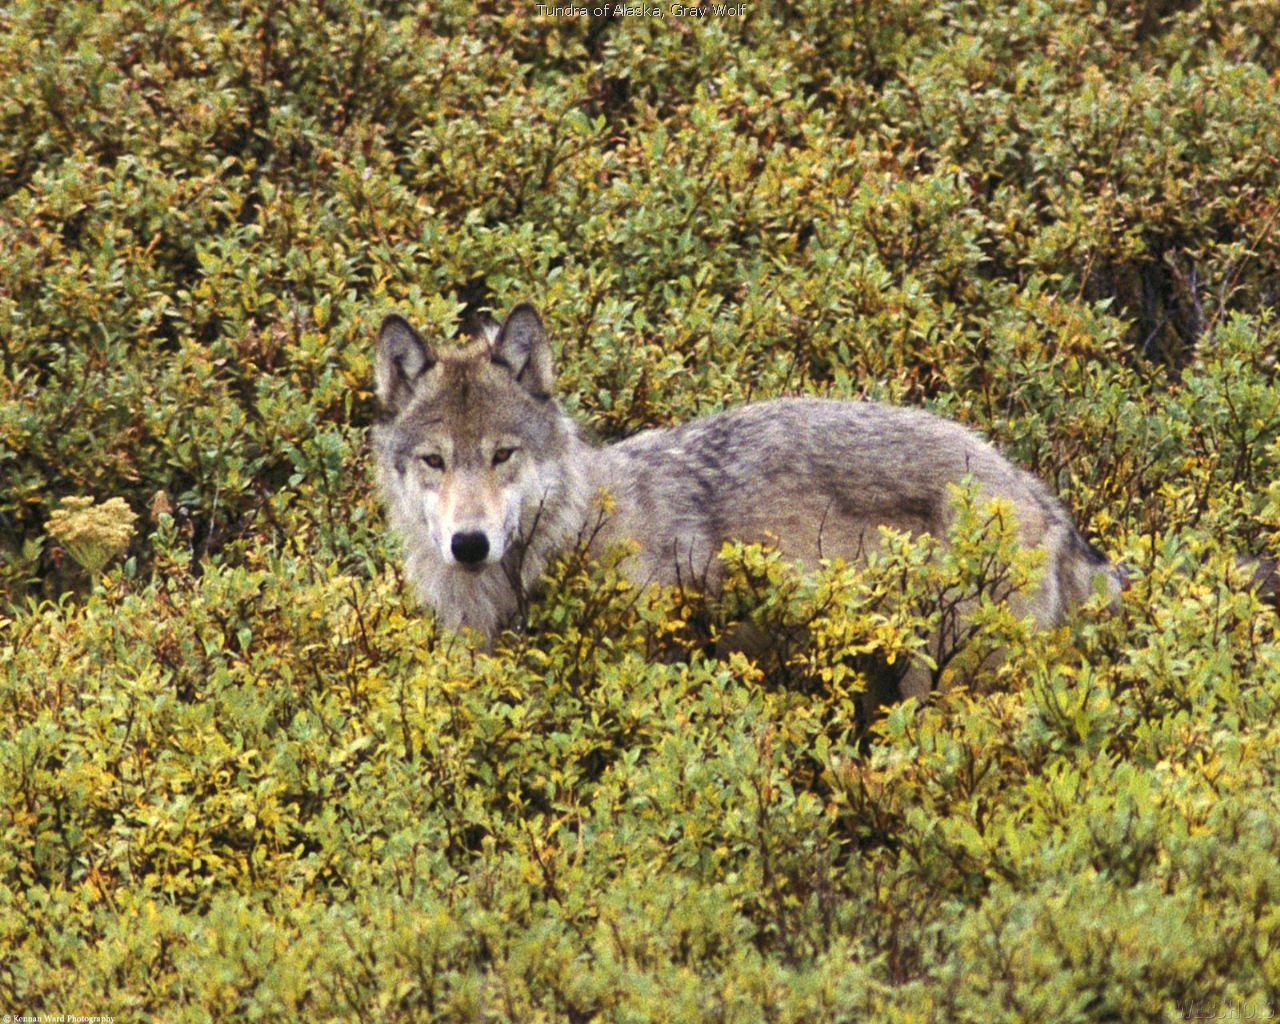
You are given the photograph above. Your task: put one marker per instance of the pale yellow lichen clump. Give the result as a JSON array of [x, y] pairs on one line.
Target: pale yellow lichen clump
[[93, 534]]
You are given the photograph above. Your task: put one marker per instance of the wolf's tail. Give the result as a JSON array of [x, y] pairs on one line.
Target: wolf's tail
[[1266, 577]]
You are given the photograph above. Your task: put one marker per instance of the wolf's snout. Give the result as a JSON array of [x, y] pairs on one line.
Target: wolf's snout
[[469, 548]]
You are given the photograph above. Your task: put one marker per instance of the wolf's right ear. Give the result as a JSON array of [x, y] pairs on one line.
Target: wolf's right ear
[[400, 357]]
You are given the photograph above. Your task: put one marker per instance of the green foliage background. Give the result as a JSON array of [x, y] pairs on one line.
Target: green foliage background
[[241, 778]]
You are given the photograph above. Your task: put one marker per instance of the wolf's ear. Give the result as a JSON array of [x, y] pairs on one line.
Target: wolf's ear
[[521, 346], [400, 358]]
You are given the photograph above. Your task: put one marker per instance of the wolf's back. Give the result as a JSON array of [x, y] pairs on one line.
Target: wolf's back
[[817, 478]]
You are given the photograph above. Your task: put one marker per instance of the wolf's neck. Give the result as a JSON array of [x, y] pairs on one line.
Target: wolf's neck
[[562, 517]]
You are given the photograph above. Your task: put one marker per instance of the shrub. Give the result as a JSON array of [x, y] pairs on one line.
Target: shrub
[[241, 778]]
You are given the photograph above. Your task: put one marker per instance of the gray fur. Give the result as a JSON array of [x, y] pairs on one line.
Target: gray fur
[[521, 346], [401, 357], [813, 477]]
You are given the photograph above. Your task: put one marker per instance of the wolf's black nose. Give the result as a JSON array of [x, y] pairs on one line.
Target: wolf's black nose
[[469, 548]]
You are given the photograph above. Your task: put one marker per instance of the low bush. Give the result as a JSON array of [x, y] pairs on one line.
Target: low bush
[[241, 777]]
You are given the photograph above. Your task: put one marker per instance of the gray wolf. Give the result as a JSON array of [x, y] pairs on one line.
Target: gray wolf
[[486, 479]]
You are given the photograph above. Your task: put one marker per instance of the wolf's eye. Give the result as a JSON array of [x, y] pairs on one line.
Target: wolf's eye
[[501, 455], [433, 460]]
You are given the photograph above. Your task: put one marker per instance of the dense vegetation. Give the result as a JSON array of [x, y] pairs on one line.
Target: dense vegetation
[[243, 778]]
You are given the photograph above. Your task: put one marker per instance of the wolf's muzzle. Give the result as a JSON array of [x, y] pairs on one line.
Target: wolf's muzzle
[[470, 549]]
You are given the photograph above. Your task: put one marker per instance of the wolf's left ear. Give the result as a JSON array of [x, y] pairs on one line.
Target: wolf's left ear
[[521, 346], [400, 357]]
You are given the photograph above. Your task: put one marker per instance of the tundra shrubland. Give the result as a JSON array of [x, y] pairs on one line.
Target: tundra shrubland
[[243, 775]]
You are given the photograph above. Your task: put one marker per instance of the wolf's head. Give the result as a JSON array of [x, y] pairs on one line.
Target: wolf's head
[[471, 440]]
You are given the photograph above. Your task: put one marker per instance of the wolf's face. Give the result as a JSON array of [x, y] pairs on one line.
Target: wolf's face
[[471, 437]]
